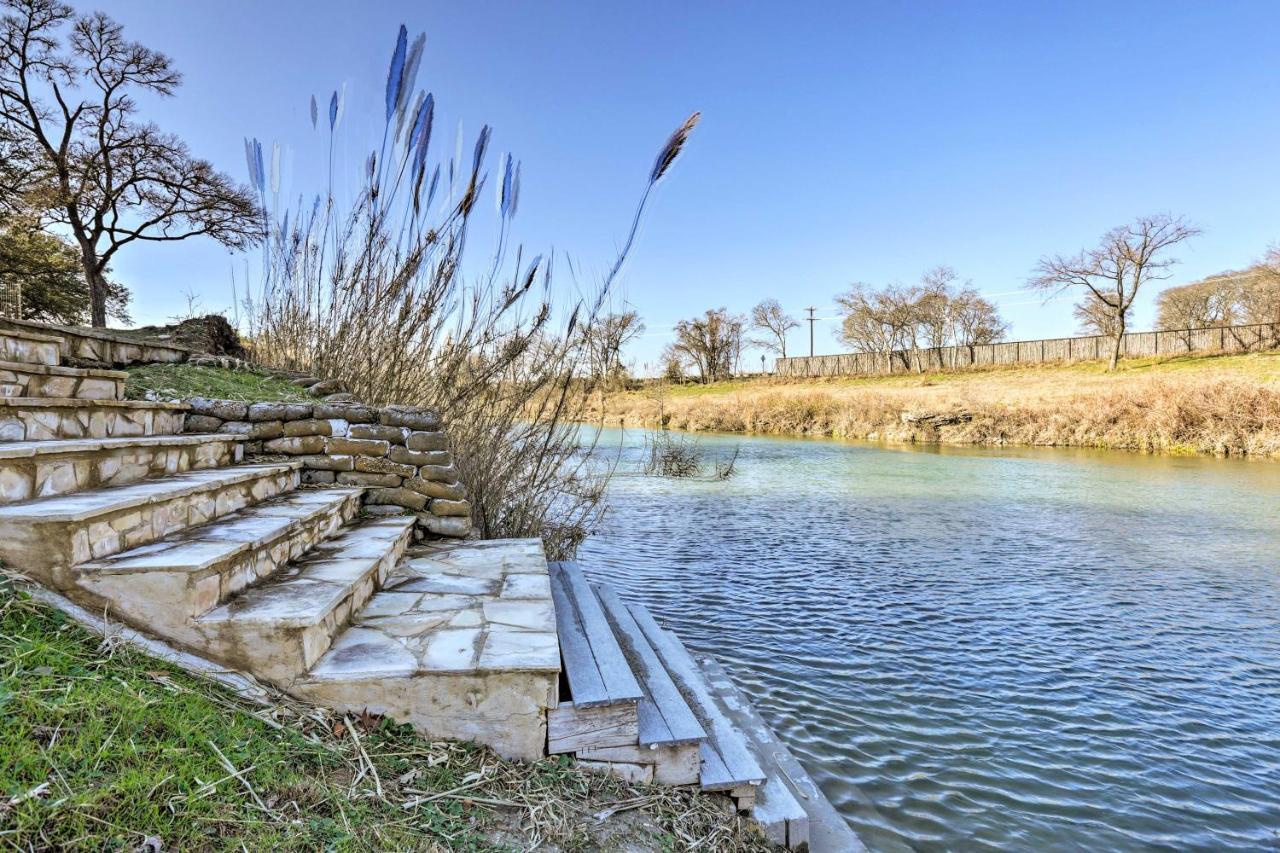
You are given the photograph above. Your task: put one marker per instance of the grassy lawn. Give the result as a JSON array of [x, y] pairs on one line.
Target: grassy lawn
[[104, 748], [189, 380]]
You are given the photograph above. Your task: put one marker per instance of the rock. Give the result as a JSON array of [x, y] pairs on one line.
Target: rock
[[279, 411], [378, 432], [317, 478], [326, 386], [413, 417], [228, 410], [340, 397], [406, 456], [329, 463], [451, 509], [427, 441], [308, 427], [383, 510], [379, 465], [296, 445], [399, 497], [455, 527], [305, 381], [357, 446], [266, 429], [362, 478], [201, 423], [355, 413], [433, 489], [439, 473]]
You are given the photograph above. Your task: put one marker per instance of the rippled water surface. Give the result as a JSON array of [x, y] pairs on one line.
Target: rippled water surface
[[1024, 650]]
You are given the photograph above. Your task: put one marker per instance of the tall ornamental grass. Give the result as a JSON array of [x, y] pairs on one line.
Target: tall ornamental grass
[[380, 293]]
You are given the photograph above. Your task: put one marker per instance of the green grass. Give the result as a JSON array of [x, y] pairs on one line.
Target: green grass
[[103, 748], [189, 380]]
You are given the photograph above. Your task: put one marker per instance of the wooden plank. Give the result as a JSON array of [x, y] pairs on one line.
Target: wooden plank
[[636, 774], [672, 765], [579, 663], [723, 737], [619, 682], [570, 728], [665, 717]]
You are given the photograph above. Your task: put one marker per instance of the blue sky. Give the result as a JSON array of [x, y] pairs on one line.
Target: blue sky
[[840, 141]]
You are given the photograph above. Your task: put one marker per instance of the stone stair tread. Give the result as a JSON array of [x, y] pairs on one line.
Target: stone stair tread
[[59, 370], [310, 588], [460, 608], [25, 449], [78, 403], [727, 761], [83, 505], [663, 715], [196, 548], [597, 670]]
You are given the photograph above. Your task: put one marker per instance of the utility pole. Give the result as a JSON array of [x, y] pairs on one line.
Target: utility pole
[[811, 321]]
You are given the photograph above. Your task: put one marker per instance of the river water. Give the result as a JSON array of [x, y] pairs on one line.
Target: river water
[[985, 649]]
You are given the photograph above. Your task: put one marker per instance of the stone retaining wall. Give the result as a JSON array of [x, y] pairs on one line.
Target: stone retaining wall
[[399, 453]]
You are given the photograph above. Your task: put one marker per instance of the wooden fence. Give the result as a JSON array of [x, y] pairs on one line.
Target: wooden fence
[[1134, 345]]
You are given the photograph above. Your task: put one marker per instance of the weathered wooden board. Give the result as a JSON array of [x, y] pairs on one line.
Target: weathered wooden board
[[665, 717], [579, 612], [672, 765], [570, 728], [736, 765], [579, 664], [634, 773]]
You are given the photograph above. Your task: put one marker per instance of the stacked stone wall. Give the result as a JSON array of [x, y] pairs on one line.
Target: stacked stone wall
[[400, 454]]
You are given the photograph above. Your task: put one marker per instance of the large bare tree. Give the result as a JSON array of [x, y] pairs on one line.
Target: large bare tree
[[67, 87], [711, 343], [1110, 276], [605, 339], [768, 317]]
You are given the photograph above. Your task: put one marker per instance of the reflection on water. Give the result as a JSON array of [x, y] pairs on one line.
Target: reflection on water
[[1019, 649]]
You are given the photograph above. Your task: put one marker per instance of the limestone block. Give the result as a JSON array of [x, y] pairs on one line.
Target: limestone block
[[266, 412], [326, 386], [357, 446], [361, 478], [378, 465], [410, 416], [329, 462], [439, 473], [201, 423], [296, 445], [383, 510], [400, 497], [317, 478], [340, 397], [427, 441], [266, 429], [15, 485], [448, 508], [356, 413], [417, 458], [435, 489], [227, 410], [378, 432], [452, 526], [310, 426]]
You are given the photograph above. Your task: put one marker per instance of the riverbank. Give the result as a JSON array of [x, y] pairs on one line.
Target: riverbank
[[1224, 405]]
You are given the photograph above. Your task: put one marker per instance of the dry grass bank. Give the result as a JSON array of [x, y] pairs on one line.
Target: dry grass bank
[[1207, 404]]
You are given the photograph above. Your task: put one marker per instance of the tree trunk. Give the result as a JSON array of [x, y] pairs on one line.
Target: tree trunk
[[97, 288], [1115, 348]]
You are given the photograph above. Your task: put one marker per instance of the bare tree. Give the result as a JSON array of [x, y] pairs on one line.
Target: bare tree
[[1110, 276], [769, 317], [710, 344], [108, 178], [605, 339], [975, 320], [878, 321]]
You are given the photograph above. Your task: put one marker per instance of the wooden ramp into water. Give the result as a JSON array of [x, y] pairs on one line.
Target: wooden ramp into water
[[640, 706]]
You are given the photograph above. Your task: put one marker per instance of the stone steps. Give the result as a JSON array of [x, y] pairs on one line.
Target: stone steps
[[103, 346], [29, 346], [53, 418], [43, 380], [281, 628], [460, 642], [44, 536], [167, 583], [30, 469]]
